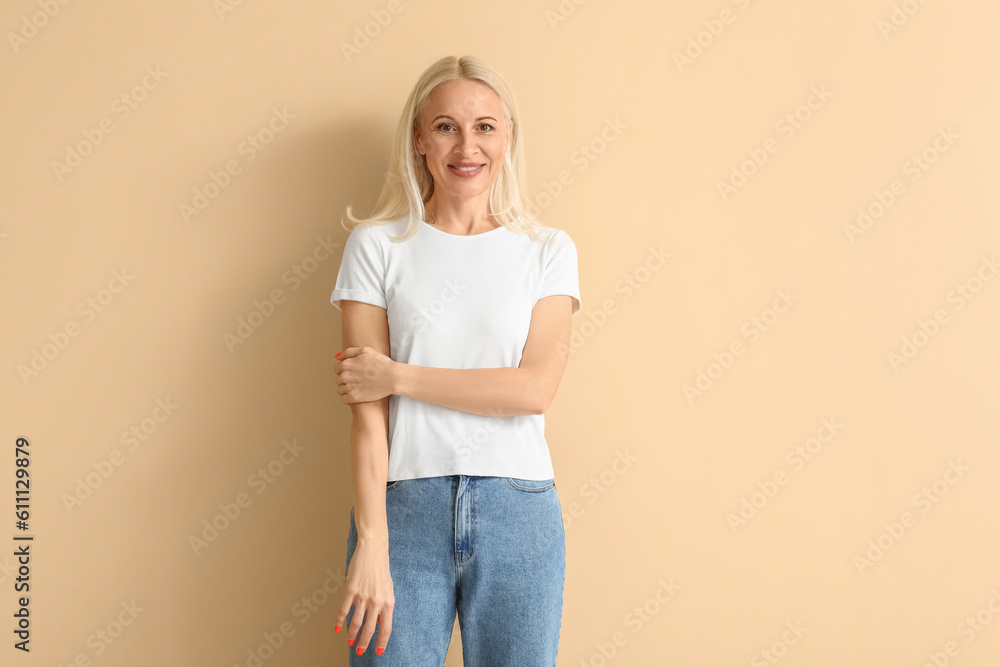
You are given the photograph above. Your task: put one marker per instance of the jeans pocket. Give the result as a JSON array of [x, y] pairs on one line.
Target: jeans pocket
[[531, 485], [393, 484]]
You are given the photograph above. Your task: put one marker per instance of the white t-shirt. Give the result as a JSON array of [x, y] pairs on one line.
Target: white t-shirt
[[458, 302]]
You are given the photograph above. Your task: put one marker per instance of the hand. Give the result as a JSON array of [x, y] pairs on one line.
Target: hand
[[364, 374], [369, 590]]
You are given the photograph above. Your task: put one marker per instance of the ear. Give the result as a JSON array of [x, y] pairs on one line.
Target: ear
[[418, 140]]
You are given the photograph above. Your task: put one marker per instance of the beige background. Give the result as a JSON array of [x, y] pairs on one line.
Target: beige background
[[895, 78]]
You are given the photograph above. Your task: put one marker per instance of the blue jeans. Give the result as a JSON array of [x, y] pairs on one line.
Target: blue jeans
[[492, 550]]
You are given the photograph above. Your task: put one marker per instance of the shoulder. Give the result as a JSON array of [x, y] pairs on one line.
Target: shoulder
[[386, 227], [541, 234], [377, 233], [385, 233], [554, 239]]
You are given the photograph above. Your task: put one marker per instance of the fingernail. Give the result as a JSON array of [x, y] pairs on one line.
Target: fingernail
[[350, 642], [336, 628], [339, 353], [378, 651], [361, 649]]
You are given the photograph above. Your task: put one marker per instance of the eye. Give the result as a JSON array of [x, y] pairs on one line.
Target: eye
[[442, 127]]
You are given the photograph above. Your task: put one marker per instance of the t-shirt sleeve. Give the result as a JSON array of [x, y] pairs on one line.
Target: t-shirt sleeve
[[362, 270], [560, 273]]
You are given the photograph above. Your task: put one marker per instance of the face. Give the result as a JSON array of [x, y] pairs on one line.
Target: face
[[464, 137]]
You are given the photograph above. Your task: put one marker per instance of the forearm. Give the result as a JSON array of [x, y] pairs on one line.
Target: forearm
[[369, 472], [491, 392]]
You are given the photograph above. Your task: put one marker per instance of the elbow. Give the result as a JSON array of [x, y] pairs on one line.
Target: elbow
[[542, 391], [543, 399]]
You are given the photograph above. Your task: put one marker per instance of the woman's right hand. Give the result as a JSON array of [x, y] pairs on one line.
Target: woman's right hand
[[369, 590]]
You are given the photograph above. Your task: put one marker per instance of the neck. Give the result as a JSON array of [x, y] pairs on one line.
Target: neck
[[460, 216]]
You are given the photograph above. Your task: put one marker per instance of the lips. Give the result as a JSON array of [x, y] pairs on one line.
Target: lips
[[465, 169]]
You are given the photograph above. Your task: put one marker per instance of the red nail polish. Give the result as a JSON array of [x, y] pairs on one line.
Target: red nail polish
[[378, 651], [339, 353], [336, 628], [350, 642], [361, 650]]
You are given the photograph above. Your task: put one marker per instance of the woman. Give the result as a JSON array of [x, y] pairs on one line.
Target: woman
[[456, 310]]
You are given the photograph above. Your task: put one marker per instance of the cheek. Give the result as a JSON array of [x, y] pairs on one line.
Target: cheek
[[437, 147]]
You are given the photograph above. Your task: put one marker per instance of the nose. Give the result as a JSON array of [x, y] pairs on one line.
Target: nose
[[466, 146]]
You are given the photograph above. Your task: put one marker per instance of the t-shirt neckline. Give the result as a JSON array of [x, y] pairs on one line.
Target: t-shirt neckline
[[459, 236]]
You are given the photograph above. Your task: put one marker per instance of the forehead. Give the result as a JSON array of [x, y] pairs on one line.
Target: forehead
[[461, 97]]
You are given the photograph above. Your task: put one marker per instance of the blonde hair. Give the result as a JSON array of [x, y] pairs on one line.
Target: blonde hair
[[409, 182]]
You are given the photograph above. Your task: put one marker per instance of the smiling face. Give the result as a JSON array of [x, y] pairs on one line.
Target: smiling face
[[464, 137]]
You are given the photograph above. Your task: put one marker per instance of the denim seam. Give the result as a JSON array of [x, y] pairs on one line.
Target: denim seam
[[531, 489]]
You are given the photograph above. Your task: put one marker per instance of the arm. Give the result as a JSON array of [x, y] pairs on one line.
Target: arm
[[365, 324], [369, 581], [528, 389]]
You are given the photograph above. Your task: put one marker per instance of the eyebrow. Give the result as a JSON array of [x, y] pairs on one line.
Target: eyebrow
[[480, 118]]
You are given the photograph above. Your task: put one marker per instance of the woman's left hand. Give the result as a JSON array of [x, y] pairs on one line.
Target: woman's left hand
[[364, 374]]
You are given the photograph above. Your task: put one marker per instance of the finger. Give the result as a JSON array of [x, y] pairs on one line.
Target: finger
[[366, 633], [380, 610], [355, 629], [345, 609], [384, 630]]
